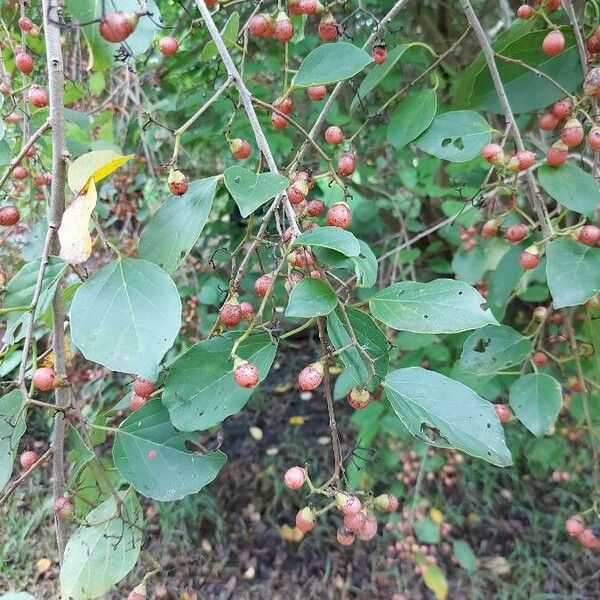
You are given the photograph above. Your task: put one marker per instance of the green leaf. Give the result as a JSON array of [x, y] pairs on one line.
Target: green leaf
[[368, 335], [446, 413], [536, 399], [250, 191], [503, 280], [79, 454], [151, 455], [565, 69], [436, 581], [427, 531], [126, 316], [104, 549], [311, 298], [492, 349], [464, 555], [12, 428], [176, 226], [334, 238], [229, 33], [17, 596], [20, 290], [457, 136], [573, 272], [330, 63], [200, 391], [412, 117], [364, 265], [572, 187], [147, 28], [441, 306]]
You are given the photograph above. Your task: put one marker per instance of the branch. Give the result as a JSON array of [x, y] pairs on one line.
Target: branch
[[56, 82], [581, 48], [531, 188]]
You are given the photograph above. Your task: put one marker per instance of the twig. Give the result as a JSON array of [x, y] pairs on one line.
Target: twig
[[568, 6], [531, 188]]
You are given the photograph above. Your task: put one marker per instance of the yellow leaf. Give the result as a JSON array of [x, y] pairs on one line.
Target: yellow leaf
[[436, 515], [335, 370], [94, 166], [48, 360], [73, 233], [435, 580], [291, 534], [297, 420]]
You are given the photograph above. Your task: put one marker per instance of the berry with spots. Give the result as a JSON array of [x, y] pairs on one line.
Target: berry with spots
[[557, 154], [490, 228], [368, 529], [562, 108], [548, 121], [493, 154], [297, 192], [38, 97], [240, 148], [246, 374], [178, 183], [310, 377], [348, 504], [9, 215], [589, 235], [574, 526], [44, 379], [63, 507], [260, 25], [525, 160], [25, 24], [328, 28], [315, 208], [28, 459], [344, 536], [294, 478], [524, 12], [530, 258], [539, 359], [284, 104], [387, 503], [593, 138], [359, 398], [334, 135], [230, 314], [316, 92], [262, 285], [339, 215], [283, 28], [516, 233], [24, 62], [247, 311], [346, 164], [278, 121], [143, 387], [503, 413], [588, 539], [572, 133]]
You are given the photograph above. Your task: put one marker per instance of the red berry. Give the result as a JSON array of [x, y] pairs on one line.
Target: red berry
[[230, 314], [344, 536], [554, 43], [348, 504], [247, 311], [557, 154], [28, 459], [493, 154], [380, 54], [572, 133], [284, 30], [63, 508], [346, 164], [574, 526], [334, 135], [593, 138], [525, 159], [117, 26], [143, 387], [30, 152], [548, 121], [588, 539], [359, 398], [387, 503], [524, 11], [328, 28], [278, 121], [260, 25], [368, 529], [246, 375], [315, 208], [553, 4], [25, 24], [297, 192], [490, 228], [303, 176], [316, 92], [355, 522], [137, 401], [503, 413], [516, 233], [9, 215], [305, 519], [178, 183], [530, 258], [339, 215], [37, 97], [24, 62], [589, 235], [168, 45], [294, 478], [593, 45], [262, 285], [43, 379], [20, 172], [310, 377], [539, 359], [240, 148], [284, 104], [562, 108]]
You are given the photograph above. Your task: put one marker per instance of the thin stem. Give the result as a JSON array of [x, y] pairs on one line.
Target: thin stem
[[17, 482]]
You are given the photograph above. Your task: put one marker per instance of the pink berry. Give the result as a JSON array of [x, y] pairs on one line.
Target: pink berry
[[9, 215], [562, 108], [493, 154], [368, 529], [246, 375], [28, 459], [516, 233], [490, 228], [240, 148], [525, 159], [572, 133], [260, 25], [530, 258], [305, 519], [117, 26], [334, 135], [168, 45], [247, 311], [548, 121], [593, 138], [554, 43], [137, 401], [63, 508], [278, 121], [503, 413], [380, 54], [43, 379], [310, 377], [25, 24], [348, 504], [297, 192], [557, 154], [20, 172], [294, 478], [262, 285], [588, 539], [339, 215], [134, 594], [589, 235], [355, 522], [359, 398], [301, 258], [346, 164], [284, 30], [284, 104], [143, 387], [24, 62], [315, 208], [387, 503], [344, 536], [539, 359], [328, 28], [574, 526], [524, 11], [178, 183], [230, 314], [316, 92]]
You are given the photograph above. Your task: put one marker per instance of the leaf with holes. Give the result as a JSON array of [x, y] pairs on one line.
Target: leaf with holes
[[151, 455], [456, 136], [126, 316], [493, 348], [536, 400], [311, 298], [412, 117], [330, 63], [200, 391], [441, 306], [446, 413], [334, 238], [12, 428], [103, 549], [19, 293], [370, 338], [573, 272], [176, 226], [250, 191]]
